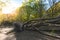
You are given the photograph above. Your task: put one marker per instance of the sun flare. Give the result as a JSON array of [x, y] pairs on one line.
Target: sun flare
[[10, 6]]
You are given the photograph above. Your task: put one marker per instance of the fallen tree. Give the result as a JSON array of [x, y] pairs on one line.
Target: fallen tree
[[40, 25]]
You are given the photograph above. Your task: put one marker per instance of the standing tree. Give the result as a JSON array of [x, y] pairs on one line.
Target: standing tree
[[31, 9]]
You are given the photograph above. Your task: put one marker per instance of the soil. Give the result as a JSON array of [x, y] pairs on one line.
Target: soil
[[25, 35]]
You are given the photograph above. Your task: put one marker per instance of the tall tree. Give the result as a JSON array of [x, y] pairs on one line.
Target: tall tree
[[32, 9]]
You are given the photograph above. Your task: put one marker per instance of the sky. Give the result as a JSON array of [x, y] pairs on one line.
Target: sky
[[17, 1], [13, 4], [49, 3]]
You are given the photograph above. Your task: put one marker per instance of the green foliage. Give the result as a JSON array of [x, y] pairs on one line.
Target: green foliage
[[54, 10], [30, 10], [34, 9]]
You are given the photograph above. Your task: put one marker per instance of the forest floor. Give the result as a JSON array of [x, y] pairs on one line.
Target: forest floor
[[3, 31], [25, 35]]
